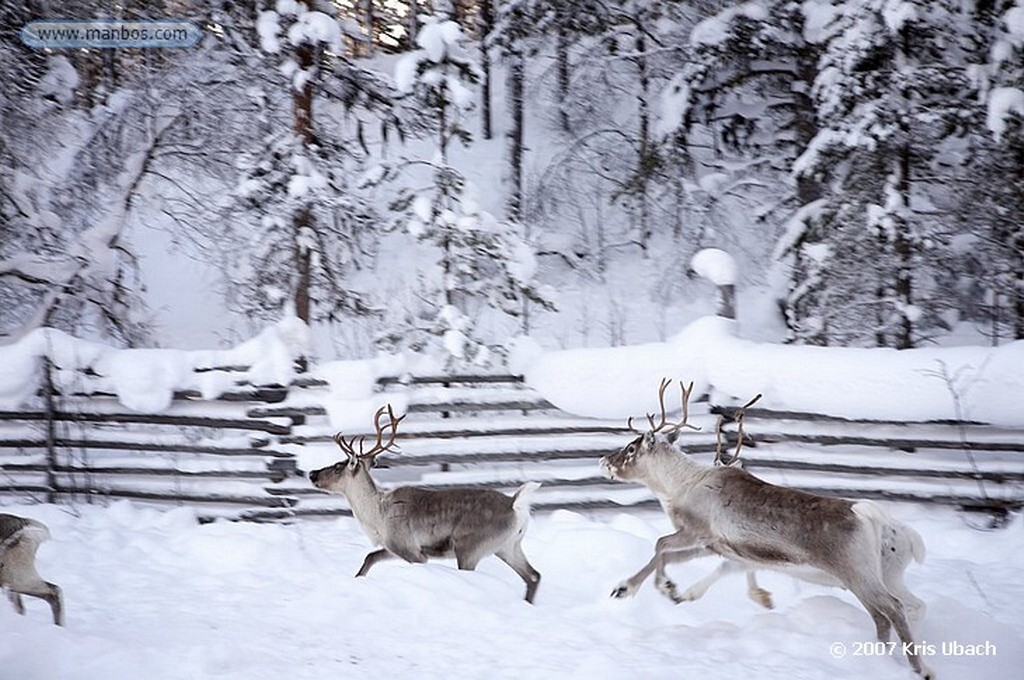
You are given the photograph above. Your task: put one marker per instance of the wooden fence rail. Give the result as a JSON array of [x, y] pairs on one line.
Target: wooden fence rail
[[244, 455]]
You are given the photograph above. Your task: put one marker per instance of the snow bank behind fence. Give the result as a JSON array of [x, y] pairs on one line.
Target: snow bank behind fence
[[984, 384], [145, 379]]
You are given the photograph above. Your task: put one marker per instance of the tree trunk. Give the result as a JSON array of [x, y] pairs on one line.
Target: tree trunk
[[412, 25], [485, 26], [904, 256], [516, 77], [902, 246], [644, 132], [369, 19], [562, 57], [302, 221]]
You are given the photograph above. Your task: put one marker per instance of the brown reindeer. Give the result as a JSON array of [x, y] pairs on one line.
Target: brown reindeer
[[19, 540], [726, 511], [417, 524]]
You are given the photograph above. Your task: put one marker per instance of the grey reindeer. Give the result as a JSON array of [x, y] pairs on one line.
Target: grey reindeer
[[19, 540], [417, 524], [726, 511]]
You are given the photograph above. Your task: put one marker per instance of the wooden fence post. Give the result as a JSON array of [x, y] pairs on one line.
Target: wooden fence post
[[51, 438]]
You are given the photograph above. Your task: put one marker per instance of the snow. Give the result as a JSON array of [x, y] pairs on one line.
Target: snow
[[440, 43], [60, 80], [883, 384], [153, 594], [715, 30], [818, 17], [1014, 20], [307, 27], [674, 102], [268, 28], [353, 398], [897, 13], [405, 72], [1002, 102], [146, 379], [916, 385], [437, 38], [715, 265]]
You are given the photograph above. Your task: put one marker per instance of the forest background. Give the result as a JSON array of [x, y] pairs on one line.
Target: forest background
[[437, 178]]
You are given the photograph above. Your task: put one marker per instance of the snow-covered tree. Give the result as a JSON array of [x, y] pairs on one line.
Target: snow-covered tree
[[73, 182], [299, 220], [889, 94], [988, 254], [482, 262]]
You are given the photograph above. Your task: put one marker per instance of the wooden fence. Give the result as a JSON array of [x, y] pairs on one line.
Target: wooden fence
[[243, 454]]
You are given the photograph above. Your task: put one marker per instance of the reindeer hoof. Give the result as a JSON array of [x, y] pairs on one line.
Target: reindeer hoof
[[623, 590], [762, 597], [689, 596], [668, 589]]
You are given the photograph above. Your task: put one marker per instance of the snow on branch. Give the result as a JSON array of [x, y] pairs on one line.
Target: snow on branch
[[1002, 103]]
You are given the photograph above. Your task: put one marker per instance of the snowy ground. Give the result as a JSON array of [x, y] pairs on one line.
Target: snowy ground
[[151, 594]]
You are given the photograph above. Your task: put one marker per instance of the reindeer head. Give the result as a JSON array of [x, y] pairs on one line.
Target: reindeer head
[[634, 461], [335, 478], [630, 462]]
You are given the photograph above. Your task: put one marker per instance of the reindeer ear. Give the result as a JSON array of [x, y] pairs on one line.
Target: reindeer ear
[[672, 436]]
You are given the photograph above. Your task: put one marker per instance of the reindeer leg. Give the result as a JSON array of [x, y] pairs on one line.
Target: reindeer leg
[[373, 558], [48, 592], [672, 549], [51, 594], [887, 612], [629, 587], [757, 593], [700, 588], [516, 558], [16, 601]]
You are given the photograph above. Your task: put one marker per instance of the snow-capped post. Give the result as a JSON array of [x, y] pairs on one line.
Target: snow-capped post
[[718, 267]]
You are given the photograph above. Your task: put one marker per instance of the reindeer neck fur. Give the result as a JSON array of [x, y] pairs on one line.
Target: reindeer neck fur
[[667, 470], [367, 503]]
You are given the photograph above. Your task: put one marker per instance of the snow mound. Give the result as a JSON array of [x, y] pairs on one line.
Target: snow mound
[[145, 380], [970, 383]]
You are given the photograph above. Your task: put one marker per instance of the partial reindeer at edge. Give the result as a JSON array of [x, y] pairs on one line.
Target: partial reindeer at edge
[[417, 524], [726, 511], [19, 540]]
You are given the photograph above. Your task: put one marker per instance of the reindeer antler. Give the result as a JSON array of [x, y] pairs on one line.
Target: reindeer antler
[[348, 447], [737, 416], [686, 390]]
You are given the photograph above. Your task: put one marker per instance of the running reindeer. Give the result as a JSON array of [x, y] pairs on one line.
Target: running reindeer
[[416, 524], [19, 540], [724, 510]]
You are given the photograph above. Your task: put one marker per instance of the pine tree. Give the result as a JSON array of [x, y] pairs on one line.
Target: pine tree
[[482, 263], [988, 262], [299, 219], [889, 95]]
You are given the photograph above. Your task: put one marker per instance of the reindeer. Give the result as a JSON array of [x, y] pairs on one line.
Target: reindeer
[[629, 587], [19, 540], [417, 524], [724, 510]]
